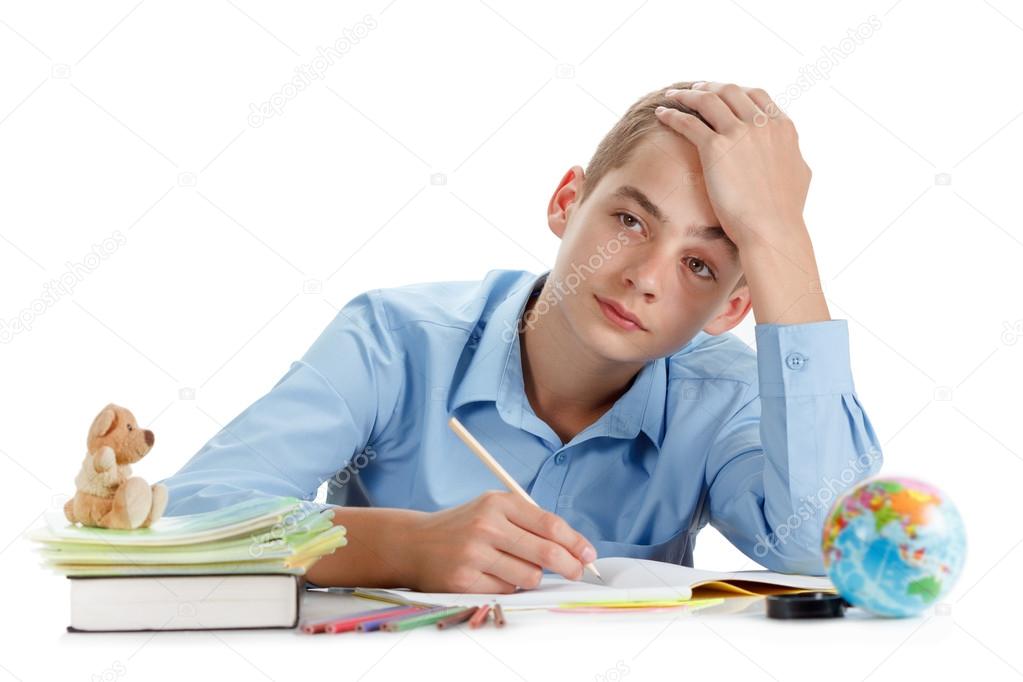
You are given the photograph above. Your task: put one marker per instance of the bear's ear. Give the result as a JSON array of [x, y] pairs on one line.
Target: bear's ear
[[103, 423]]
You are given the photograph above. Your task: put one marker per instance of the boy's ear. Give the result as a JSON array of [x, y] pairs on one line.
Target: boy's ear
[[732, 312], [564, 199]]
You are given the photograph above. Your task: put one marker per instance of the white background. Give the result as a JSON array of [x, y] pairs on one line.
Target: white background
[[231, 246]]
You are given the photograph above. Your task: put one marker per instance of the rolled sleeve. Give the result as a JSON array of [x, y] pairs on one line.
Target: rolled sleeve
[[797, 441]]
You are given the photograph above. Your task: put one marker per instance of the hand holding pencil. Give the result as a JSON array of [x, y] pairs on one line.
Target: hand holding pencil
[[588, 554], [495, 543]]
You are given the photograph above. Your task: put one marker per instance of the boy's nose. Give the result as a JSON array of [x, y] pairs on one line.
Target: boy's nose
[[150, 438]]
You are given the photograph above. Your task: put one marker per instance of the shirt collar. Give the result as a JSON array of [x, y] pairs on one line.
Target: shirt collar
[[494, 374]]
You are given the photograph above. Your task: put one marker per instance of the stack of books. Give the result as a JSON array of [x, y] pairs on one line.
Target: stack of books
[[236, 567]]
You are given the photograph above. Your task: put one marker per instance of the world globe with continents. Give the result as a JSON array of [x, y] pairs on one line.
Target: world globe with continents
[[893, 546]]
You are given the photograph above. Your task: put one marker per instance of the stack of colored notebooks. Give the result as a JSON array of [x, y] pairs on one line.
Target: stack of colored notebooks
[[236, 567]]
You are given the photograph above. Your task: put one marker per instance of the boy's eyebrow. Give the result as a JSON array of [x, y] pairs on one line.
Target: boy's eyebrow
[[706, 233]]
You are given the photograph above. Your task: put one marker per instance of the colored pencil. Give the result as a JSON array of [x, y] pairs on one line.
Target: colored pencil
[[499, 615], [480, 617], [496, 469], [457, 618], [373, 625], [356, 623], [313, 627], [417, 621], [387, 597]]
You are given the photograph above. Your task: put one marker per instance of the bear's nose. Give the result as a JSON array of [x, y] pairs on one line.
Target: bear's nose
[[149, 438]]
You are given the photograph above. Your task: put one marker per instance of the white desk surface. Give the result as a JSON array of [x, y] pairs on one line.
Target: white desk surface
[[968, 639]]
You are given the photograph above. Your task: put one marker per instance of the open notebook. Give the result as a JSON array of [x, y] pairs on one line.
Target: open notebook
[[627, 580]]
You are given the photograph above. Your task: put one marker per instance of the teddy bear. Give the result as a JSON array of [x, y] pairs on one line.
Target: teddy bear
[[106, 494]]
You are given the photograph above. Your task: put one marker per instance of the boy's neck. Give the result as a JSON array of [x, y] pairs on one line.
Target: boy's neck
[[568, 386]]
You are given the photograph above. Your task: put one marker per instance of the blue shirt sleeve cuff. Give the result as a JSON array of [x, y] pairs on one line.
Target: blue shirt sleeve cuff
[[805, 359]]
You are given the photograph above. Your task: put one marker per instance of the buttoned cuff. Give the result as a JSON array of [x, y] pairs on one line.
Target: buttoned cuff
[[805, 359]]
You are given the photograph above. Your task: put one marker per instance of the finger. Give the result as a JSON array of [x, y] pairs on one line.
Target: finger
[[738, 100], [513, 570], [766, 104], [529, 547], [546, 540], [552, 527], [485, 583], [710, 106], [687, 125]]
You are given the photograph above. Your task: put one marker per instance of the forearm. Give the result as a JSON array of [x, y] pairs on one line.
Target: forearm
[[783, 278], [375, 555], [781, 460]]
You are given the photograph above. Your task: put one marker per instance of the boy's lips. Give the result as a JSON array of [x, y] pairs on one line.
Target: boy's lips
[[619, 313]]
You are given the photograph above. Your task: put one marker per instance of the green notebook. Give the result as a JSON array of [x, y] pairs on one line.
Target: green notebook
[[259, 535]]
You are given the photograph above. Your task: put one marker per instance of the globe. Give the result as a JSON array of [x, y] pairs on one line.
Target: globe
[[893, 545]]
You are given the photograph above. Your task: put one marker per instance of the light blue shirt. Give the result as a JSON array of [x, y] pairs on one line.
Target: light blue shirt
[[756, 444]]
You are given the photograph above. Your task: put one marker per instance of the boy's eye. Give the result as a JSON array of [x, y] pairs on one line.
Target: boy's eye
[[129, 427], [703, 267], [628, 220]]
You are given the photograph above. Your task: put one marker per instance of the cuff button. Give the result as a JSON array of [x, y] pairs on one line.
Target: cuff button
[[795, 361]]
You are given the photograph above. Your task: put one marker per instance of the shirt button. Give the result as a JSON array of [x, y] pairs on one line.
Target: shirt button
[[559, 458], [795, 360]]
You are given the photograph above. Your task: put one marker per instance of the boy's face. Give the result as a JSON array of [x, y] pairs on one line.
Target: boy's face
[[614, 247]]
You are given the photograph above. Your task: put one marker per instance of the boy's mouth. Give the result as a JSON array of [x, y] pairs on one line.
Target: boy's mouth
[[619, 315]]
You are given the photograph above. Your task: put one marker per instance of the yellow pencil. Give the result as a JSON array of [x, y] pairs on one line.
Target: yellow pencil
[[499, 471]]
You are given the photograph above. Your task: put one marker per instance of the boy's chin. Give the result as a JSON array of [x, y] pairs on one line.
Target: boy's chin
[[620, 346]]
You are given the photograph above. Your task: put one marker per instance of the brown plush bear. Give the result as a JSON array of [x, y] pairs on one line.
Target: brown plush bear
[[107, 495]]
